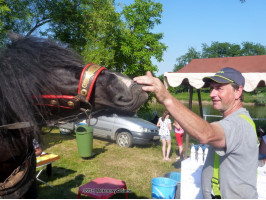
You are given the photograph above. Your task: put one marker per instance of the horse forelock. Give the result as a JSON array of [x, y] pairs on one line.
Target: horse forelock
[[31, 67]]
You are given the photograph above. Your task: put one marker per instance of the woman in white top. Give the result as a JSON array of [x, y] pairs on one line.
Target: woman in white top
[[165, 127]]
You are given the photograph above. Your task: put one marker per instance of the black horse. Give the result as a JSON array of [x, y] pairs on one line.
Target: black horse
[[43, 80]]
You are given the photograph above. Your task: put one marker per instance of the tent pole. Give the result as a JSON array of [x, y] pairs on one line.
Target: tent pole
[[200, 103], [190, 107]]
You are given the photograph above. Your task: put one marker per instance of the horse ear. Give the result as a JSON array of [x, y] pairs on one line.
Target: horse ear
[[13, 36]]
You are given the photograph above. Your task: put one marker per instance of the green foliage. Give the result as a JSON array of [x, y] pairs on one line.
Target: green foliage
[[139, 44], [217, 49], [103, 35], [15, 16], [251, 49], [185, 59], [68, 21], [62, 19], [226, 49], [3, 10], [260, 99]]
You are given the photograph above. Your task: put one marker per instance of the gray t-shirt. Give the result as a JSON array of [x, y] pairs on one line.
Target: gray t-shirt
[[238, 161]]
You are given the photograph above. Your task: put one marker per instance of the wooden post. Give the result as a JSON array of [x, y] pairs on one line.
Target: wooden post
[[200, 103], [190, 107]]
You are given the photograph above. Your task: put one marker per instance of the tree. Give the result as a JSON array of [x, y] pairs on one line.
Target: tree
[[27, 17], [139, 44], [218, 49], [12, 14], [251, 49], [3, 10], [185, 59], [104, 35], [64, 20]]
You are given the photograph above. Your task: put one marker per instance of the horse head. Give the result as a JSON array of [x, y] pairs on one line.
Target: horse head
[[33, 69]]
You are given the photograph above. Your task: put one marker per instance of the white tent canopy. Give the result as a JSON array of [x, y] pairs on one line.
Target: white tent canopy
[[252, 80], [253, 69]]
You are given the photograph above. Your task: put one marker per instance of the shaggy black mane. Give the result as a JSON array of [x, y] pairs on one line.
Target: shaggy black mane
[[30, 67]]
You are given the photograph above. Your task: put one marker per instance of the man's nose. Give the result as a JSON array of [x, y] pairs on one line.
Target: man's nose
[[213, 93]]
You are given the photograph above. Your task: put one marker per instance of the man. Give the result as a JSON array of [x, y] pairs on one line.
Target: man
[[233, 138]]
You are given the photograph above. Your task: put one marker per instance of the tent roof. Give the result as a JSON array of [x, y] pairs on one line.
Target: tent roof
[[253, 69]]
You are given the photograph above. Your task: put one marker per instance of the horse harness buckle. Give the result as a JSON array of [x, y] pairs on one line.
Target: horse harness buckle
[[87, 80]]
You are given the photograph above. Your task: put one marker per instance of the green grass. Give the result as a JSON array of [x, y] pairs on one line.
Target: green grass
[[136, 166]]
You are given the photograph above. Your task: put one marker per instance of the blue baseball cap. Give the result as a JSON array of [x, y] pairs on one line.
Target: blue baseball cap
[[227, 75]]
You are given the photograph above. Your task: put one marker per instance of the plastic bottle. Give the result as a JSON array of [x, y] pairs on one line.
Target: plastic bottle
[[200, 155], [205, 153], [193, 153]]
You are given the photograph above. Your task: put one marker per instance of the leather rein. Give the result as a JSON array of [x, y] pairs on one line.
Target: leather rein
[[86, 83]]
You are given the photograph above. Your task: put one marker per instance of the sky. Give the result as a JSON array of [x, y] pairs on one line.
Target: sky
[[190, 23]]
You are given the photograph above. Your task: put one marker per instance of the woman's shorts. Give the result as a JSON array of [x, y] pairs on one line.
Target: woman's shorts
[[179, 138], [165, 137]]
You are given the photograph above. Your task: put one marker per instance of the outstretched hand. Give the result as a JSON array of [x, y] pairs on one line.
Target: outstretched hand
[[153, 84]]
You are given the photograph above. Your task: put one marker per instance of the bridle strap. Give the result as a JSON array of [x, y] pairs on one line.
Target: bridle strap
[[87, 80], [17, 125], [61, 101]]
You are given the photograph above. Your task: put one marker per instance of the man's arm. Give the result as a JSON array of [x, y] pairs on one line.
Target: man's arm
[[194, 125]]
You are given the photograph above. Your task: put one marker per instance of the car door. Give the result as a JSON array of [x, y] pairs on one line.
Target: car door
[[103, 126]]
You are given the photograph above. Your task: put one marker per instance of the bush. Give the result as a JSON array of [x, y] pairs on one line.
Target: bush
[[260, 99]]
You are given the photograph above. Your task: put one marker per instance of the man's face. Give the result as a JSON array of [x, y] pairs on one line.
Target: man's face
[[223, 96]]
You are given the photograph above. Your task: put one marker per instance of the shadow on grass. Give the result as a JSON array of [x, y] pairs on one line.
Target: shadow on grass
[[51, 139], [152, 145], [131, 195], [65, 190], [61, 191], [177, 164]]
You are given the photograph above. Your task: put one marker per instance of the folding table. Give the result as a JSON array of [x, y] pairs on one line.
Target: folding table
[[45, 160]]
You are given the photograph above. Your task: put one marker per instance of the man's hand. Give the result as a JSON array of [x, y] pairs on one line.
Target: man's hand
[[194, 125], [153, 84]]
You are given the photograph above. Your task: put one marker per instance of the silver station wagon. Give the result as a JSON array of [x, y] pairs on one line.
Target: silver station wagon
[[126, 131]]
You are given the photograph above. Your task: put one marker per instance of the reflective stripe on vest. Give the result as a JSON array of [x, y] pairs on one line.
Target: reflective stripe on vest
[[215, 177]]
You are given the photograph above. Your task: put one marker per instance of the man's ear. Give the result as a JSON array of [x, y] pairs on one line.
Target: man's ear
[[239, 92]]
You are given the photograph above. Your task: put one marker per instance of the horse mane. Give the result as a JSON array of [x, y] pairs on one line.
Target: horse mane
[[32, 66]]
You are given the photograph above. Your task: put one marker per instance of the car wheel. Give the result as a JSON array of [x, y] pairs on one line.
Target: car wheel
[[124, 139]]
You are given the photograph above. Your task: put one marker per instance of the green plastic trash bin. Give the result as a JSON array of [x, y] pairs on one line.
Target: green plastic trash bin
[[84, 138]]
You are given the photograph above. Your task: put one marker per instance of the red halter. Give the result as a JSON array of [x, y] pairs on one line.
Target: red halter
[[87, 80]]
